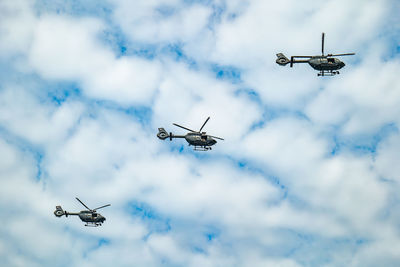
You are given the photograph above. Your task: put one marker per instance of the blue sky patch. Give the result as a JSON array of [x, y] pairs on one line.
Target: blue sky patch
[[364, 144], [176, 52], [154, 220], [228, 73]]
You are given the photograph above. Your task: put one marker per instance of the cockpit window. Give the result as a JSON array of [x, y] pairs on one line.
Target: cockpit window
[[331, 60]]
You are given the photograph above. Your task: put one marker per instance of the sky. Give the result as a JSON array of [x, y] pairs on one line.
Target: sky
[[308, 173]]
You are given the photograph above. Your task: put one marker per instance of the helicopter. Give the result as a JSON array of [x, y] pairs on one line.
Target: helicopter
[[90, 217], [327, 65], [200, 140]]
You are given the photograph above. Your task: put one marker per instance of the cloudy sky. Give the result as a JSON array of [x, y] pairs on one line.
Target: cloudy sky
[[308, 174]]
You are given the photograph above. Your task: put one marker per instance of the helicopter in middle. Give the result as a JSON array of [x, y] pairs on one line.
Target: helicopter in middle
[[200, 140]]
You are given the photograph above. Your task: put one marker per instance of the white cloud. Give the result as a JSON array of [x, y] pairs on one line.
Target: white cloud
[[188, 97], [387, 158], [67, 49], [363, 100], [161, 21], [16, 27], [37, 123]]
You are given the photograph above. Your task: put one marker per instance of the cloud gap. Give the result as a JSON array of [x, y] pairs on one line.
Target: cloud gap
[[155, 221], [36, 152], [363, 144]]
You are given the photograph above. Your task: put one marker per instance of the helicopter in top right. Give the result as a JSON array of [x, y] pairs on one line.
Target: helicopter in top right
[[327, 65]]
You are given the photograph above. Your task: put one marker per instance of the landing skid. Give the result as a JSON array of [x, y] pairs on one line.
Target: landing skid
[[93, 224], [328, 73], [202, 148]]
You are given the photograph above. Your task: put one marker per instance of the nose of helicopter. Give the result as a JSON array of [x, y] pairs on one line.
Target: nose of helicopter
[[213, 142], [341, 64]]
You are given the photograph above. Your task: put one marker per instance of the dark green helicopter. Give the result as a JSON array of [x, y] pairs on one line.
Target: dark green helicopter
[[327, 65], [90, 217], [200, 140]]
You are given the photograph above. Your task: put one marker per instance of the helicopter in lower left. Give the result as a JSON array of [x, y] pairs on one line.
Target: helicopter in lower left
[[89, 216]]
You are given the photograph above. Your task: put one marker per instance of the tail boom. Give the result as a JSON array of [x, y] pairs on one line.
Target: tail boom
[[163, 134]]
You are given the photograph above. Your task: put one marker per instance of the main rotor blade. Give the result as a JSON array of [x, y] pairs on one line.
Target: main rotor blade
[[339, 55], [323, 41], [204, 124], [102, 207], [216, 137], [184, 127], [83, 204]]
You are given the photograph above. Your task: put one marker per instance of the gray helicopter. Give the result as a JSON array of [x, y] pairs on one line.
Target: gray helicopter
[[200, 140], [327, 65], [90, 217]]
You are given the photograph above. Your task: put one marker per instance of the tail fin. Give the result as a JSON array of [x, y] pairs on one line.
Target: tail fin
[[282, 59], [162, 134], [59, 211]]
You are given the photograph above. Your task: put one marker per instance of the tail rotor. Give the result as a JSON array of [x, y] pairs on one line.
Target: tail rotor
[[163, 134], [59, 212], [282, 59]]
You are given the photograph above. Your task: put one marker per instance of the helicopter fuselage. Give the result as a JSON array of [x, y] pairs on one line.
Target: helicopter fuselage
[[196, 139], [91, 217], [325, 63]]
